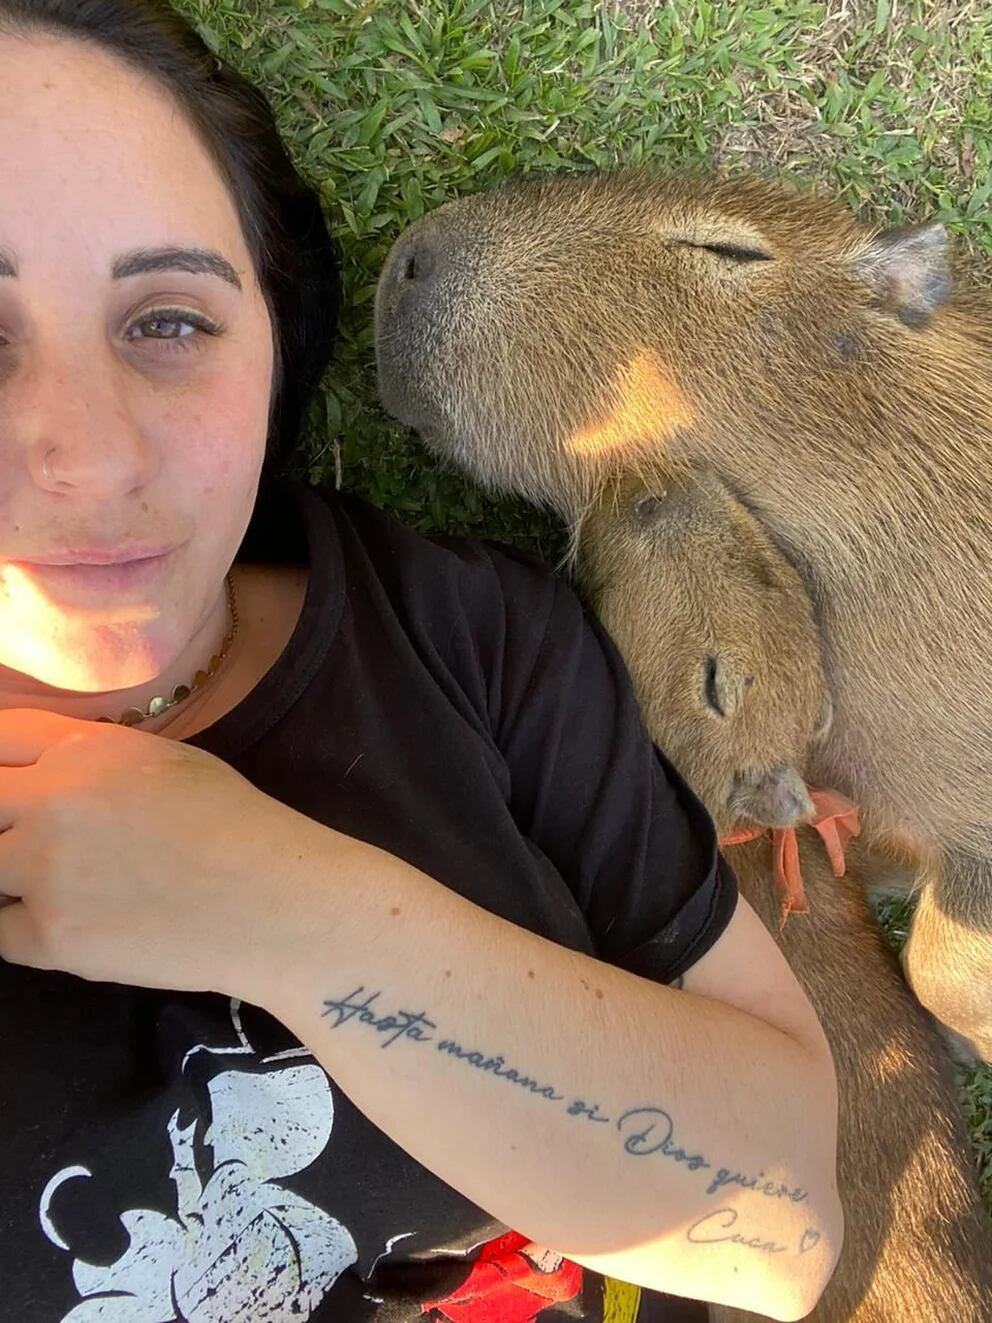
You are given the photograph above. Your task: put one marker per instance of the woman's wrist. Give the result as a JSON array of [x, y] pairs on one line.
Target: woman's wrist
[[315, 904]]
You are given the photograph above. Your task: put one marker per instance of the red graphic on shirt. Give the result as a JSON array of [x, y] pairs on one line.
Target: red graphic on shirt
[[508, 1285]]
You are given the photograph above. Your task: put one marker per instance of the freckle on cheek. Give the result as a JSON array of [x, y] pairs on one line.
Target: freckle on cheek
[[395, 910]]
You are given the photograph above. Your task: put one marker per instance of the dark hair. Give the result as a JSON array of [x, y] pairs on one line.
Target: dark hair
[[280, 214]]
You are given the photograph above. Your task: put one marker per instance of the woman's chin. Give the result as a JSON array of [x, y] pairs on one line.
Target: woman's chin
[[54, 675]]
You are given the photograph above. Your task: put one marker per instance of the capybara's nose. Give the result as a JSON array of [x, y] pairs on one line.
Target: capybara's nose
[[411, 272], [416, 262], [422, 286]]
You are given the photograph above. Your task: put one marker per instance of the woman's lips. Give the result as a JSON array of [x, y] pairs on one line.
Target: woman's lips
[[94, 582]]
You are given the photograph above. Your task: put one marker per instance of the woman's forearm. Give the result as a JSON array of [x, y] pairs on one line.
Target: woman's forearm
[[650, 1134]]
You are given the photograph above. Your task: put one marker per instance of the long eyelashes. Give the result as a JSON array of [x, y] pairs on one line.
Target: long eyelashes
[[174, 317], [151, 350]]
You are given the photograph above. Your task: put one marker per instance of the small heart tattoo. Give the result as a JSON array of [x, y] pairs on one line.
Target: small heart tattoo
[[809, 1241]]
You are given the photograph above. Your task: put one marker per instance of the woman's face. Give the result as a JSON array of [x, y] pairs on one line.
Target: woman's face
[[136, 366]]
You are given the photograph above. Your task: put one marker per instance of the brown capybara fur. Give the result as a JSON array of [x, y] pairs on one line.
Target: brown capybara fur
[[721, 640], [551, 333]]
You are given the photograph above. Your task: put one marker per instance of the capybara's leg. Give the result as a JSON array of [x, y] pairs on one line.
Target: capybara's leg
[[948, 957]]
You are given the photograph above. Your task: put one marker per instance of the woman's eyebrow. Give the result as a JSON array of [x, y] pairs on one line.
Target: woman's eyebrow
[[200, 261]]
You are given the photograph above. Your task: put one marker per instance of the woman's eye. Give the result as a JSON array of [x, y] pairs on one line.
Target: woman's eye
[[162, 328], [180, 328]]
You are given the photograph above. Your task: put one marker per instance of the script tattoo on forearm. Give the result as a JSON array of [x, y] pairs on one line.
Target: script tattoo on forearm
[[645, 1132], [718, 1228], [414, 1025]]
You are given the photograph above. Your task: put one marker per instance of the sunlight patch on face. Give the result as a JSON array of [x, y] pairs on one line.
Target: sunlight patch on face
[[36, 628], [31, 603], [645, 405]]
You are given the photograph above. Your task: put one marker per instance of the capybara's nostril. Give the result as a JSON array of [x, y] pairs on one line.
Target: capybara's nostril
[[418, 264]]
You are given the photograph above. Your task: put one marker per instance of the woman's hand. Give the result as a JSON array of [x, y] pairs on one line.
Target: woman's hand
[[131, 858]]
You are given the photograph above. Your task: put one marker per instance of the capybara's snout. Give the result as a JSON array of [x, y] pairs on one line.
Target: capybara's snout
[[421, 277]]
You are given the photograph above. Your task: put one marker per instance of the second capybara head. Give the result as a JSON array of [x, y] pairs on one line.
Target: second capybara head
[[720, 638]]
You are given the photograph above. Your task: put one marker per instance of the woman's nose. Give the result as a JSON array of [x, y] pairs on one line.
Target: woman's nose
[[82, 433]]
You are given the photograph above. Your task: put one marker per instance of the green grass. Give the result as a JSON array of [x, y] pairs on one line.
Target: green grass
[[392, 108]]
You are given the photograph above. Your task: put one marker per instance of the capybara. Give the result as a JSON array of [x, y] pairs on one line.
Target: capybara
[[721, 639], [553, 332]]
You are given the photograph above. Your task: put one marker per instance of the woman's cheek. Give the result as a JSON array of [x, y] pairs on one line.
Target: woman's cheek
[[217, 429]]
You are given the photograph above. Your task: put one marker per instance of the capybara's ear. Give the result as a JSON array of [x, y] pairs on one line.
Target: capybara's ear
[[775, 797], [909, 269]]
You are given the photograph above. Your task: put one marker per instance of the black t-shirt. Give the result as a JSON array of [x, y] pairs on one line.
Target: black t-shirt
[[170, 1156]]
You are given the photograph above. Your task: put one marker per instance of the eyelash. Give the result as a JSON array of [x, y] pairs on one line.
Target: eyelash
[[177, 343]]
